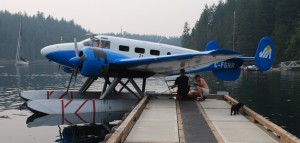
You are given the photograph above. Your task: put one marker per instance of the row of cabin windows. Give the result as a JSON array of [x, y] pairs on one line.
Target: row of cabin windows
[[140, 50]]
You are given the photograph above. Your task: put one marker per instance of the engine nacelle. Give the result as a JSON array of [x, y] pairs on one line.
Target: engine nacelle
[[95, 62]]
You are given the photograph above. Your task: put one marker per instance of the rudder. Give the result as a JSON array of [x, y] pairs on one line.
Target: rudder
[[265, 54]]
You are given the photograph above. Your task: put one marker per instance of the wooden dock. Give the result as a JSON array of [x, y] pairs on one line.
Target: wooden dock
[[157, 118]]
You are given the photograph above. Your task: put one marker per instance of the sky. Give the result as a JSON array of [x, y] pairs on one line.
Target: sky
[[159, 17]]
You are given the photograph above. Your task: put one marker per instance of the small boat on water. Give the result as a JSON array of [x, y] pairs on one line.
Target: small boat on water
[[20, 61], [251, 68]]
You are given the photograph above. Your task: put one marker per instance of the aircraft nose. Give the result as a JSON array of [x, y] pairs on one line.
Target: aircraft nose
[[46, 50]]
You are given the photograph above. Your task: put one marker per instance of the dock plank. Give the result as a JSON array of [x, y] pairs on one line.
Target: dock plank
[[157, 123], [233, 129]]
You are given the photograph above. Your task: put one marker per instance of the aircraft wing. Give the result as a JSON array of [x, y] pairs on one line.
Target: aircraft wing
[[171, 64]]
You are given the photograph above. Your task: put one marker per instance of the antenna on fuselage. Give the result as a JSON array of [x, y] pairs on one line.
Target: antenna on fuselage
[[121, 31], [124, 35], [161, 39]]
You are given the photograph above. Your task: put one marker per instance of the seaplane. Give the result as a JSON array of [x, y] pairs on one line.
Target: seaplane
[[116, 59]]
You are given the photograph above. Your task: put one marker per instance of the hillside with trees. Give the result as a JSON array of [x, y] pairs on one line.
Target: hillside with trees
[[254, 19], [39, 31]]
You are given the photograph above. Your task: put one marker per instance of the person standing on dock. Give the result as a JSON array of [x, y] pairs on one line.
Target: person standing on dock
[[183, 85], [201, 88]]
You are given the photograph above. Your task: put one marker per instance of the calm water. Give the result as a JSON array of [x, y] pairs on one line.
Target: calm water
[[274, 95]]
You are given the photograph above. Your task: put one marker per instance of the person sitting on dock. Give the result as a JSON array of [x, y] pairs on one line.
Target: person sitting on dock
[[183, 85], [201, 88]]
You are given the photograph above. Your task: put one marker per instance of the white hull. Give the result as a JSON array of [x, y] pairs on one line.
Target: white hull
[[73, 119], [76, 106], [58, 94], [22, 63]]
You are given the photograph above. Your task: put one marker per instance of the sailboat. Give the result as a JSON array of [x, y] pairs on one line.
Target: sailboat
[[20, 61]]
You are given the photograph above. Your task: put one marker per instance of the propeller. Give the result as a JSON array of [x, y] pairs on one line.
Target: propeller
[[77, 62]]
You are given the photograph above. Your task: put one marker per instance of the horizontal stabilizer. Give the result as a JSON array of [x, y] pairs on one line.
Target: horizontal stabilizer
[[227, 74]]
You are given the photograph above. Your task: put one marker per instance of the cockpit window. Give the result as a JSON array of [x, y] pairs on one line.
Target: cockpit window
[[87, 42], [95, 42], [105, 44]]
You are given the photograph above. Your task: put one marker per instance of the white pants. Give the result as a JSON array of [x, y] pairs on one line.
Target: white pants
[[205, 91]]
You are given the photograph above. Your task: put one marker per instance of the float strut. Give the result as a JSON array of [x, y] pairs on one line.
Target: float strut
[[110, 88], [86, 84], [137, 88], [125, 86], [144, 85], [106, 82]]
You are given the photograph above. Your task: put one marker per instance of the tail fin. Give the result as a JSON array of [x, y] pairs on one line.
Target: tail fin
[[212, 45], [265, 54], [264, 58]]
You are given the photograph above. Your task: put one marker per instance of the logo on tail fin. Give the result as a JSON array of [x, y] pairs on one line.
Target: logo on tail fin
[[266, 53]]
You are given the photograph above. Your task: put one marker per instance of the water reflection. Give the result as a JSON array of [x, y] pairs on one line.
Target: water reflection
[[83, 133], [82, 127], [20, 71]]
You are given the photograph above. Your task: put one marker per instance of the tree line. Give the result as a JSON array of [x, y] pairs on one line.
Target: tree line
[[240, 24], [39, 31]]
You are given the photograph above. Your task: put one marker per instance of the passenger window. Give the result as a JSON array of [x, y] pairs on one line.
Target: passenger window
[[169, 53], [123, 48], [139, 50], [154, 52]]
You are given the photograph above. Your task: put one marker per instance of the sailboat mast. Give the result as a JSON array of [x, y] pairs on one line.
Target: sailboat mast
[[19, 43], [233, 33]]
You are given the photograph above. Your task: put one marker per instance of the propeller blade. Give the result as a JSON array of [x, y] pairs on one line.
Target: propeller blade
[[76, 47], [76, 73], [70, 81]]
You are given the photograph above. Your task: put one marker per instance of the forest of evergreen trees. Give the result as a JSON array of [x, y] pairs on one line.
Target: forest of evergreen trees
[[253, 20], [39, 31]]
